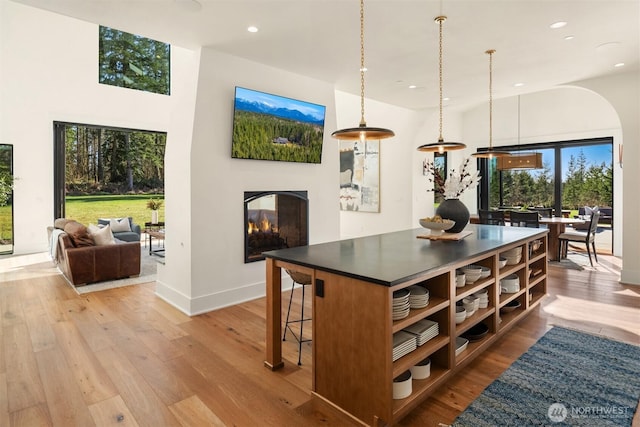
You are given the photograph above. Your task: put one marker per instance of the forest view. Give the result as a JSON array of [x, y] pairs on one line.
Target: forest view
[[266, 137], [584, 184], [113, 161], [112, 173]]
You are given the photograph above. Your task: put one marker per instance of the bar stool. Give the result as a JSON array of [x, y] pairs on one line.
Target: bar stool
[[304, 280]]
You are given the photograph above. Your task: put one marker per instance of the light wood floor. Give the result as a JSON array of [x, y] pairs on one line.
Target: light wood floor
[[124, 357]]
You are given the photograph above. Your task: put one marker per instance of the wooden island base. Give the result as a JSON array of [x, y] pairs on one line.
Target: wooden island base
[[353, 327]]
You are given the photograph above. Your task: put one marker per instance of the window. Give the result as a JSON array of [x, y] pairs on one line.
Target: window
[[574, 174], [440, 163], [134, 62]]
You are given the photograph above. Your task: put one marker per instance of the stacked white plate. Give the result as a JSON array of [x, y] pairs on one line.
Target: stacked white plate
[[403, 343], [483, 297], [423, 330], [418, 297], [401, 305]]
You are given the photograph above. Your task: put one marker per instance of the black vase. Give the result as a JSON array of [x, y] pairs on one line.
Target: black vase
[[454, 210]]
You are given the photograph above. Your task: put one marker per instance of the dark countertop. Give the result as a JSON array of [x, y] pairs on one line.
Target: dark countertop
[[392, 258]]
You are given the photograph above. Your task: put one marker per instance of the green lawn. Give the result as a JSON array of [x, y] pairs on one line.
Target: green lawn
[[5, 223], [87, 209]]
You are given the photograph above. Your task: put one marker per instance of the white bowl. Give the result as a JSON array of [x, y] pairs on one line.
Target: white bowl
[[472, 273], [510, 284], [461, 345], [421, 370], [471, 277], [460, 279], [535, 245], [402, 385], [502, 261], [513, 260], [512, 252], [486, 272], [461, 314], [471, 304], [437, 227]]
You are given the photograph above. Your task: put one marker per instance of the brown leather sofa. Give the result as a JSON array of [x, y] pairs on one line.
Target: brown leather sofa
[[85, 264]]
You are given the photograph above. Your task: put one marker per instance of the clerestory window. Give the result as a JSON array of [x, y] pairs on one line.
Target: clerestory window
[[134, 62]]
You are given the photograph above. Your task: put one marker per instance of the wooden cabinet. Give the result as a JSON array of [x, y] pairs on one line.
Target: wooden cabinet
[[353, 367]]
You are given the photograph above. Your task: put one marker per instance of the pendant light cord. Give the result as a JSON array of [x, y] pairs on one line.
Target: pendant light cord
[[518, 122], [362, 121], [490, 52], [440, 20]]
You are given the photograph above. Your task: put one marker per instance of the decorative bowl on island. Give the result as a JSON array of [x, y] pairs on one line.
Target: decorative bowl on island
[[436, 224]]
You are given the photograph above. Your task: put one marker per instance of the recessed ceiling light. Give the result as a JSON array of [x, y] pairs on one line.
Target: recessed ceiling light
[[363, 69], [412, 86], [252, 29], [518, 84], [446, 99], [619, 64], [557, 25], [569, 37]]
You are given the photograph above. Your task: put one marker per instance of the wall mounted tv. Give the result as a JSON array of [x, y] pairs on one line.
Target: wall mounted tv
[[272, 127]]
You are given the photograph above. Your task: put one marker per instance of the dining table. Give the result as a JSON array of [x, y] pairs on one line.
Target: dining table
[[557, 226]]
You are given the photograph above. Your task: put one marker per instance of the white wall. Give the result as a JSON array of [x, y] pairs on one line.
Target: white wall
[[204, 186], [623, 92], [395, 157], [429, 132], [219, 276], [562, 114], [49, 73]]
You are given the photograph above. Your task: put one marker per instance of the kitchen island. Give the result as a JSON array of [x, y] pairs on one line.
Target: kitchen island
[[354, 281]]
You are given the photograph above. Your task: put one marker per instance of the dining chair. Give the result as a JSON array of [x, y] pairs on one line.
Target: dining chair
[[544, 212], [588, 238], [524, 219], [304, 280], [491, 217]]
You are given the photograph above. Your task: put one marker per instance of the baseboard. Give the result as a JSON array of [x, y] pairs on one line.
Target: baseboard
[[205, 303]]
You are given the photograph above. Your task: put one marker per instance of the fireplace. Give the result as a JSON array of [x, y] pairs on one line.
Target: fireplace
[[274, 220]]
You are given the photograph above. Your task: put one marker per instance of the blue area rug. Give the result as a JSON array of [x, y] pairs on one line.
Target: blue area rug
[[567, 378]]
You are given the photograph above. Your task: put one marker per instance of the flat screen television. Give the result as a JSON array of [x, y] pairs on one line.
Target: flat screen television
[[272, 127]]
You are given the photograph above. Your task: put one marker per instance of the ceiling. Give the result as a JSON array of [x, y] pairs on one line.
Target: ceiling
[[320, 39]]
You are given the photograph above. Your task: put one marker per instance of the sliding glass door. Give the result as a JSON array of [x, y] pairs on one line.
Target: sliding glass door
[[6, 199], [572, 175]]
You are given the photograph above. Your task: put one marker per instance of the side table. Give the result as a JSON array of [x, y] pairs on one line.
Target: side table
[[154, 231]]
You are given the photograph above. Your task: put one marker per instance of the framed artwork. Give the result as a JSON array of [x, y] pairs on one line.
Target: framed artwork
[[360, 176]]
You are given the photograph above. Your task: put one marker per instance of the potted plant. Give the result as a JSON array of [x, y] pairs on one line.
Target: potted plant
[[154, 205], [451, 187]]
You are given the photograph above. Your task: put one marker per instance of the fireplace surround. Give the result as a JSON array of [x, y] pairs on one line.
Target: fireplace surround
[[274, 220]]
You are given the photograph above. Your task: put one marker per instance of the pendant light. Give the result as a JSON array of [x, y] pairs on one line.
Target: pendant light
[[362, 132], [441, 146], [490, 153], [520, 160]]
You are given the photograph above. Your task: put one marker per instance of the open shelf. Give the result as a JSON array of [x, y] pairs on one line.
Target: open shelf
[[425, 350], [371, 366], [474, 348], [435, 305], [422, 388], [476, 318]]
